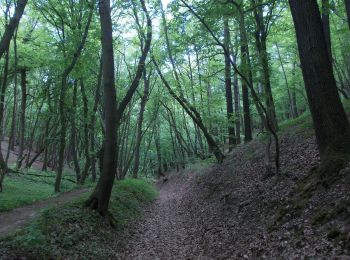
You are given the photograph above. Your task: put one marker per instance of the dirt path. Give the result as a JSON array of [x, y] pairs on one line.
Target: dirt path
[[162, 234], [19, 217]]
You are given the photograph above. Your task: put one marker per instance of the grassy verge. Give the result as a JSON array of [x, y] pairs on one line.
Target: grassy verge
[[73, 232], [20, 190]]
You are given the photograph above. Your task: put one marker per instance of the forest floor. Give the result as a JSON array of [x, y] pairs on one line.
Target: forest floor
[[19, 217], [234, 211], [210, 211]]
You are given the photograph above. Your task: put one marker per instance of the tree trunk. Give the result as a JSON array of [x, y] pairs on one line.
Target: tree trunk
[[228, 87], [347, 7], [260, 41], [22, 118], [237, 107], [144, 100], [326, 27], [62, 98], [85, 172], [159, 153], [330, 122], [246, 70], [193, 113], [73, 139], [12, 138], [32, 135], [99, 199], [12, 26], [290, 101], [93, 123], [2, 108]]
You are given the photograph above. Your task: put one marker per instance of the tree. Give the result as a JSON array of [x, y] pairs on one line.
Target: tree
[[332, 128], [99, 199], [326, 26], [347, 7], [12, 26], [64, 83], [228, 86], [263, 24]]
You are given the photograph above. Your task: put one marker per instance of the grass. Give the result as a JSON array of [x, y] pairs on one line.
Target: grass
[[304, 121], [74, 232], [20, 190]]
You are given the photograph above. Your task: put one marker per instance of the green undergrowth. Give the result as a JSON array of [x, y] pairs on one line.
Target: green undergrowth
[[29, 187], [304, 121], [72, 231]]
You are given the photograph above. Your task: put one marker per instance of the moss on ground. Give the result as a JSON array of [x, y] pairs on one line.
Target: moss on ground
[[72, 231]]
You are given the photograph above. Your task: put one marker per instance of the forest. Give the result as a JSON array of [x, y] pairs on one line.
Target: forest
[[174, 129]]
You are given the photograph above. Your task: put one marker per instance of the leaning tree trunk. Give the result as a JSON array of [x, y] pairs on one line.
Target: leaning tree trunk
[[195, 116], [330, 122], [11, 27]]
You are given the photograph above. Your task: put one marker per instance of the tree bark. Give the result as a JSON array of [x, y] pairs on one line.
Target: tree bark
[[159, 153], [93, 123], [73, 140], [326, 27], [11, 27], [291, 109], [144, 100], [237, 106], [330, 122], [85, 171], [260, 41], [347, 7], [12, 137], [246, 70], [99, 199], [3, 164], [22, 118], [228, 88]]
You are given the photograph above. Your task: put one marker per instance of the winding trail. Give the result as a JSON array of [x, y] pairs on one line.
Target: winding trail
[[163, 233], [19, 217]]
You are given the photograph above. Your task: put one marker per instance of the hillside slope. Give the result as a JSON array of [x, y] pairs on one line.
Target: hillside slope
[[234, 211], [227, 211]]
